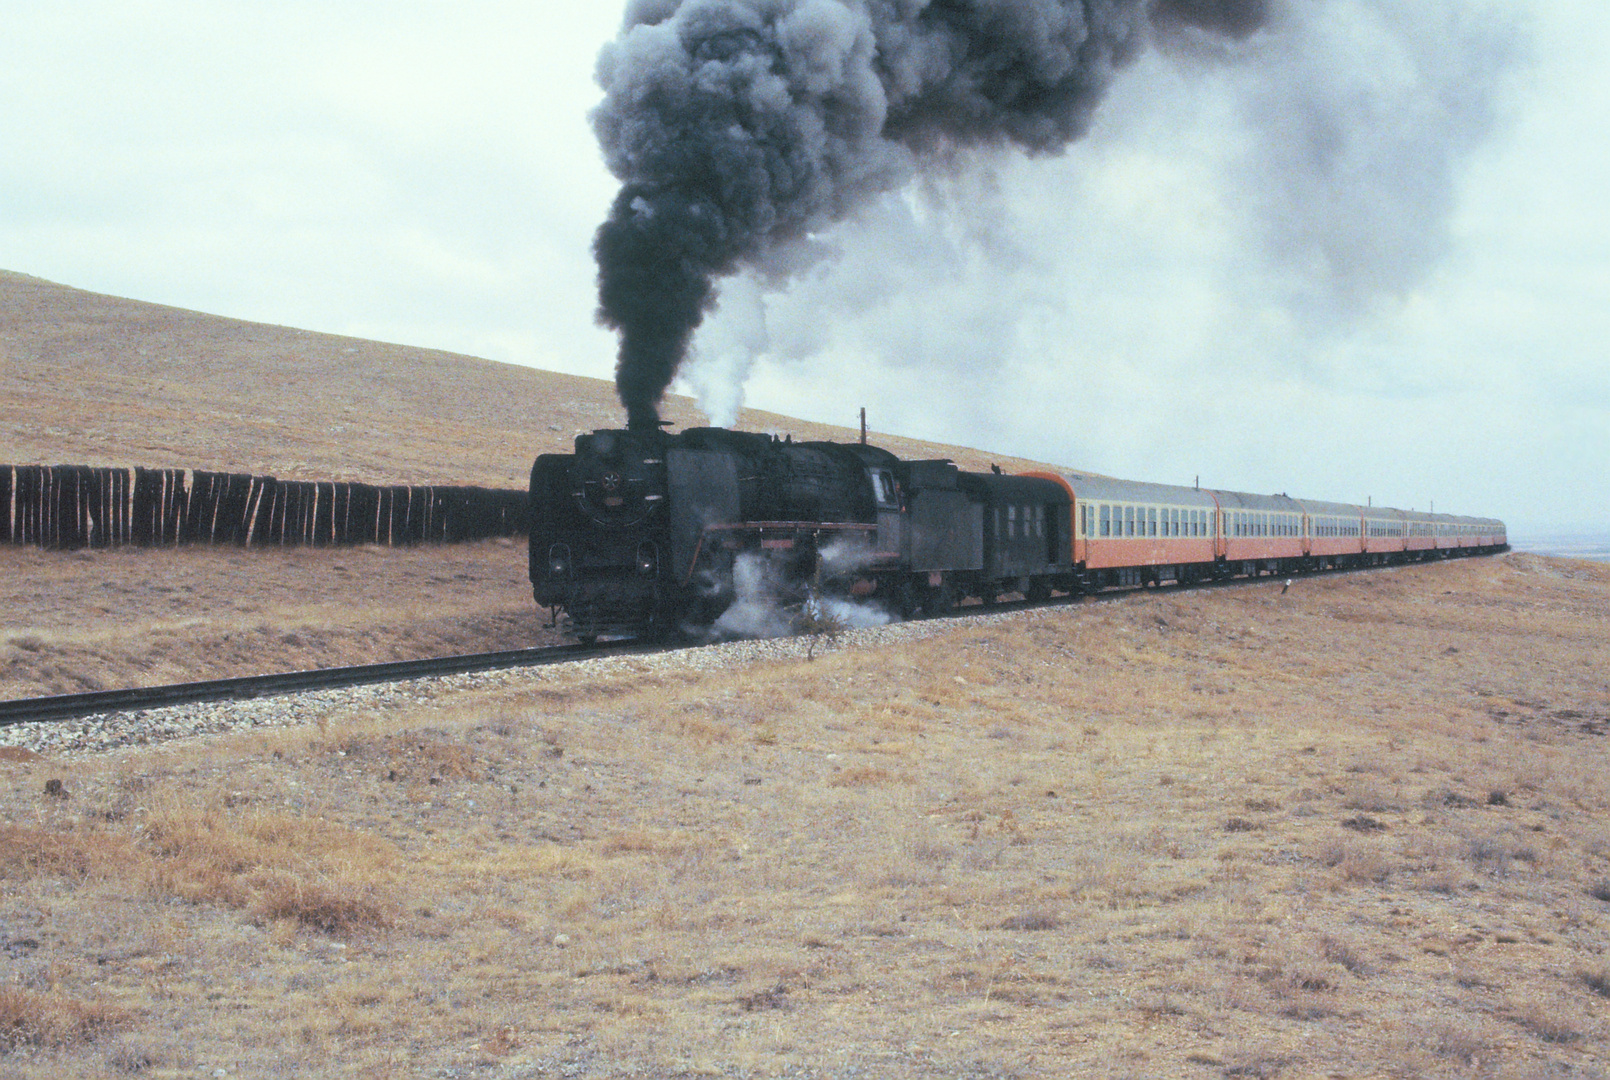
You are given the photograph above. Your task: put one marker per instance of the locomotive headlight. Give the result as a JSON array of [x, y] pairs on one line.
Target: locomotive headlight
[[648, 559], [559, 561]]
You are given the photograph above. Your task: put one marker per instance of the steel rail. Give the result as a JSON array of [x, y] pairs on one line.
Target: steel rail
[[71, 706]]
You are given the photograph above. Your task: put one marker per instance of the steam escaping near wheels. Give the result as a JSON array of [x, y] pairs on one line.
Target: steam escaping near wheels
[[766, 605]]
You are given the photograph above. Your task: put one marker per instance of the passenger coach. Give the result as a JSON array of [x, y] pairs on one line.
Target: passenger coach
[[1129, 533]]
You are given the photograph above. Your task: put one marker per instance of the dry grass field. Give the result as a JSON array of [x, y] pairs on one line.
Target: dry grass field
[[1358, 829]]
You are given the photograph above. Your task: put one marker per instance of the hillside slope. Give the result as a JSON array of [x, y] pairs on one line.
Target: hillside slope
[[93, 379]]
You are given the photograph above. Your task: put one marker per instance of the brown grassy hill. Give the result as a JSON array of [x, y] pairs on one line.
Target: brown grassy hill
[[98, 380]]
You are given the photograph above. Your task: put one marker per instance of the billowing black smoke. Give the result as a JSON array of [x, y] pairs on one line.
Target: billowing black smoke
[[738, 126]]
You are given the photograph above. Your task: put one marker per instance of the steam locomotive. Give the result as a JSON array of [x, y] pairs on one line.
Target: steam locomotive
[[641, 532]]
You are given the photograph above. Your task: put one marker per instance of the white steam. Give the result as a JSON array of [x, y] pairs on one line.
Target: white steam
[[766, 606]]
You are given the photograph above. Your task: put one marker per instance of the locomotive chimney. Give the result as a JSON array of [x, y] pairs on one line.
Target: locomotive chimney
[[863, 425]]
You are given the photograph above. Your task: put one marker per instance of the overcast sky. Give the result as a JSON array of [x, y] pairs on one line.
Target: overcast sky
[[1367, 255]]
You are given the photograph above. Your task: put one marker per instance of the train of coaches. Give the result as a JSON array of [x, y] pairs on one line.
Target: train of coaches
[[640, 531]]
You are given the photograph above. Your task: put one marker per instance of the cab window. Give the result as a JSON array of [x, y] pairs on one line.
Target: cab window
[[883, 489]]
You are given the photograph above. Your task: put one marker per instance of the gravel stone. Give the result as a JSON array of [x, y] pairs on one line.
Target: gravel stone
[[109, 732]]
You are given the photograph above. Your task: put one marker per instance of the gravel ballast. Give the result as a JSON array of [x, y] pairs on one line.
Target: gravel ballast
[[111, 732]]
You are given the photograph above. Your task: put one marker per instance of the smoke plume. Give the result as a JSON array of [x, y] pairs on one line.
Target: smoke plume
[[739, 127]]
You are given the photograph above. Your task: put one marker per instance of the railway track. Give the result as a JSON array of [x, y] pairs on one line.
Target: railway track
[[71, 706]]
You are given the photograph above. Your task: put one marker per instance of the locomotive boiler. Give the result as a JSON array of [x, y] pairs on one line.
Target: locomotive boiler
[[640, 531]]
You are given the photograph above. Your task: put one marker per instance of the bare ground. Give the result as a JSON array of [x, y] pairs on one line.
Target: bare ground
[[1353, 830], [99, 620]]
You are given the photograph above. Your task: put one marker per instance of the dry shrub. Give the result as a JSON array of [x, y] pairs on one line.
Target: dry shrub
[[861, 776], [333, 907], [644, 841], [26, 852], [1356, 862], [527, 863], [1597, 981], [52, 1020], [432, 759], [1033, 920], [1547, 1021], [703, 732], [276, 866]]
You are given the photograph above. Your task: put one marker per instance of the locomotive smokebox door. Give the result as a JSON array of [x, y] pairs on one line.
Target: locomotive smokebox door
[[703, 490]]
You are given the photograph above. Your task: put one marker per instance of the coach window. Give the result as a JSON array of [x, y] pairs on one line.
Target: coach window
[[1106, 520], [1039, 522], [1011, 522], [1129, 521]]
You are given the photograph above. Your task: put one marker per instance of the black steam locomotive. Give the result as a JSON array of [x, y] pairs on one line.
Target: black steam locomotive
[[639, 532]]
